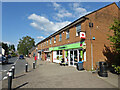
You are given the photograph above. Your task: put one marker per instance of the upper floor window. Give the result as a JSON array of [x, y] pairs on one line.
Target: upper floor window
[[60, 37], [47, 42], [54, 39], [50, 40], [67, 34], [78, 29]]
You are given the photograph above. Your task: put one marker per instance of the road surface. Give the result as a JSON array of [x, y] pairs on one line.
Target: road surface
[[19, 67]]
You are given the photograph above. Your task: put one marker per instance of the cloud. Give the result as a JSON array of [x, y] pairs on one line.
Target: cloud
[[56, 5], [62, 12], [45, 24], [40, 37], [78, 9], [75, 11]]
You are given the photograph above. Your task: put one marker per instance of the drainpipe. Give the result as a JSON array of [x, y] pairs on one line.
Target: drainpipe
[[91, 25]]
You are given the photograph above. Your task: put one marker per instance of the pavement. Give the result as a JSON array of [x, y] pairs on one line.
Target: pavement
[[51, 75]]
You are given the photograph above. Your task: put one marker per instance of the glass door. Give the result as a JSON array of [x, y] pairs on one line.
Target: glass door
[[71, 57], [75, 57]]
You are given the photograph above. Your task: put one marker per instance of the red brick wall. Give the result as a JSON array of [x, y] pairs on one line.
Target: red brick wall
[[101, 19]]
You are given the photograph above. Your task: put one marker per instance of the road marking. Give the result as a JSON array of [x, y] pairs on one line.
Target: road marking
[[3, 70], [5, 77], [16, 61]]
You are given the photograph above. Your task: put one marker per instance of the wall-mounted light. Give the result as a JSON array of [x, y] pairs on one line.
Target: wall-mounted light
[[93, 38]]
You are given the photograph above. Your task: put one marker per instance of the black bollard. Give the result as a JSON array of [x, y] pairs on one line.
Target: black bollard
[[13, 71], [33, 65], [10, 80], [26, 67]]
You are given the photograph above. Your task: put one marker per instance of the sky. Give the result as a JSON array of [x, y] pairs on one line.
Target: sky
[[40, 19]]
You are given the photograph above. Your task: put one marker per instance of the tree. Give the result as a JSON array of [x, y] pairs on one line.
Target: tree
[[11, 47], [5, 47], [25, 44], [115, 40]]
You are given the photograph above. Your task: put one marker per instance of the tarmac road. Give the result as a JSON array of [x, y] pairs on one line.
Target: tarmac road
[[19, 67]]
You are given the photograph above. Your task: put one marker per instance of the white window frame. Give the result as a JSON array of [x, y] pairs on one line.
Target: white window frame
[[67, 33], [54, 39], [47, 42], [78, 30], [50, 40], [60, 37]]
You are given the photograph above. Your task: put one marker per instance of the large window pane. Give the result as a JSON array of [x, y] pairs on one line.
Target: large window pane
[[67, 34]]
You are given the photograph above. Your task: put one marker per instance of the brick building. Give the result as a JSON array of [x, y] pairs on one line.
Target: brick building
[[67, 43]]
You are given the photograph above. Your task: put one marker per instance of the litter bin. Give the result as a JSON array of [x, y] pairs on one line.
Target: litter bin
[[103, 69], [80, 65]]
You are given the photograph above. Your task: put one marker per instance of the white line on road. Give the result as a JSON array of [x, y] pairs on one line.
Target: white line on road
[[16, 61], [3, 70], [5, 77], [8, 72]]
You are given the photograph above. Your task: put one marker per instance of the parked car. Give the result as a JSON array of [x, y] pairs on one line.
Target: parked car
[[3, 60], [21, 57]]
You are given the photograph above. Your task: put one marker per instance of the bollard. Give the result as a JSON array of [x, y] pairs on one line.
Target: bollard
[[10, 80], [26, 67], [13, 71], [33, 65]]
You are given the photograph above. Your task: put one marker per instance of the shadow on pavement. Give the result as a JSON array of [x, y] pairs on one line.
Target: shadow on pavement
[[20, 86], [10, 63], [20, 76]]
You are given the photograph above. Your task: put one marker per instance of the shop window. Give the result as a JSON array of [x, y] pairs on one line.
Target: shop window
[[60, 52], [78, 29], [57, 52], [47, 42], [54, 39], [67, 34], [60, 37], [50, 40]]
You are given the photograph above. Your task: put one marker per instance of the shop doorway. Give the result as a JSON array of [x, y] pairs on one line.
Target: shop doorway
[[74, 56]]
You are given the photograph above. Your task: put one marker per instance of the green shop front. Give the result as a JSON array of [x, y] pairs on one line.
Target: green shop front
[[72, 53]]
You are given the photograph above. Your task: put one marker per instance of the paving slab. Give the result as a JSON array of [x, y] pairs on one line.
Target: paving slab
[[51, 75]]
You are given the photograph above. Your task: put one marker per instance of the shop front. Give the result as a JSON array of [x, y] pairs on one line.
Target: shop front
[[57, 56], [47, 54], [39, 54], [72, 53]]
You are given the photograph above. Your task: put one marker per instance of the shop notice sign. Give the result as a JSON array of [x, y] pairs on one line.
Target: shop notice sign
[[82, 35]]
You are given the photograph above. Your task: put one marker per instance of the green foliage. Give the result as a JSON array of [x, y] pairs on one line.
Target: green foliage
[[115, 39], [11, 47], [5, 47], [116, 68], [13, 54], [25, 44]]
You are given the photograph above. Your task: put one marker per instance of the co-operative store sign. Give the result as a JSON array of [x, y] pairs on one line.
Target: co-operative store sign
[[69, 46]]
